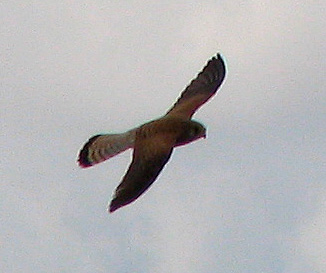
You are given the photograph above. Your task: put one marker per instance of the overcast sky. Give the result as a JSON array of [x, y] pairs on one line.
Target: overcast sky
[[251, 197]]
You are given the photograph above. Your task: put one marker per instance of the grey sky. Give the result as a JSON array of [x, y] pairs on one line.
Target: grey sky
[[249, 198]]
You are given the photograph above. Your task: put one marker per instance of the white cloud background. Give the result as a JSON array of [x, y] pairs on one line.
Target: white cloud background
[[249, 198]]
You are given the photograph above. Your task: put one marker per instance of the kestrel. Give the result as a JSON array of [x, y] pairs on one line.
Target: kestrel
[[153, 142]]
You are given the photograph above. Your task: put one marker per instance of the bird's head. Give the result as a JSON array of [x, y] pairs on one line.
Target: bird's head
[[197, 130], [193, 131]]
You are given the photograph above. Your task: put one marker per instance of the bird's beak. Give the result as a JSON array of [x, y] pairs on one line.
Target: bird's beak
[[204, 136]]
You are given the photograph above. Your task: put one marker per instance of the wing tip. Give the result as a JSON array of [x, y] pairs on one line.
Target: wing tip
[[216, 66], [220, 59], [220, 65], [83, 158], [114, 206], [122, 200]]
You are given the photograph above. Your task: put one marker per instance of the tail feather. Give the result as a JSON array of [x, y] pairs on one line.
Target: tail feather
[[102, 147]]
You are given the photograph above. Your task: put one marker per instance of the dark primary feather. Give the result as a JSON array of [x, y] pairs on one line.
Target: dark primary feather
[[139, 177], [200, 89], [149, 157]]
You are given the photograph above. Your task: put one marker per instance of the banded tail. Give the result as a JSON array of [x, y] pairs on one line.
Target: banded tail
[[102, 147]]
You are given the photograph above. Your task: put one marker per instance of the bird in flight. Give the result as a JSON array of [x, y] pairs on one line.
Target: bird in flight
[[153, 142]]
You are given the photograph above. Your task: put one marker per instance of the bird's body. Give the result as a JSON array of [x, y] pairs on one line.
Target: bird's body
[[153, 142]]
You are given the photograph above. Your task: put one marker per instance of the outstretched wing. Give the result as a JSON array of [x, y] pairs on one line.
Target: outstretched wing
[[149, 157], [200, 89]]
